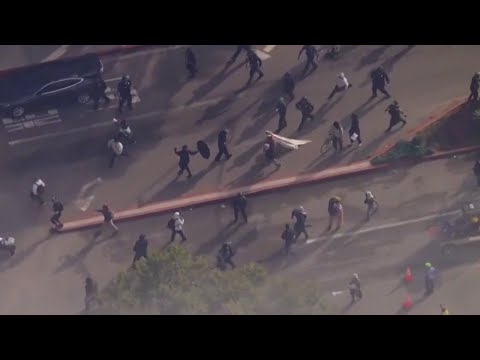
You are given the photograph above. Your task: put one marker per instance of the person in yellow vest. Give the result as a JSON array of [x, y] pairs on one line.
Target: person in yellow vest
[[444, 310]]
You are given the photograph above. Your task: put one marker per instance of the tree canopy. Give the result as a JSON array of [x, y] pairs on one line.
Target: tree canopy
[[174, 281]]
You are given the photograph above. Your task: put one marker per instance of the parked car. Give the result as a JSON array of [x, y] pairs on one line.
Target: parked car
[[56, 84]]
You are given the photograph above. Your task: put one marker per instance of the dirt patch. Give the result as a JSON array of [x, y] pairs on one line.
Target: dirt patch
[[459, 128]]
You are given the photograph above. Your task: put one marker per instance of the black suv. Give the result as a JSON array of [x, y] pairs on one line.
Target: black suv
[[54, 83]]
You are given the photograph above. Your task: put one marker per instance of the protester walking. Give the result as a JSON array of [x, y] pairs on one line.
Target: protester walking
[[222, 145], [124, 90], [38, 190], [108, 217], [176, 226], [255, 63], [184, 156], [116, 148], [306, 109], [140, 249], [269, 149], [354, 131], [57, 208], [372, 204], [289, 236], [335, 212], [239, 204], [474, 85], [336, 134], [355, 288], [341, 85], [396, 115]]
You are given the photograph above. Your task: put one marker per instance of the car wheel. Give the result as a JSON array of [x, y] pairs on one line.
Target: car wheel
[[83, 98], [18, 111], [448, 250]]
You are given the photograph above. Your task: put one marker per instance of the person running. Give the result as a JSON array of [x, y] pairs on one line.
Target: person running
[[379, 80], [312, 54], [108, 217], [396, 115], [269, 149], [38, 190], [306, 109], [222, 145], [57, 213], [341, 85]]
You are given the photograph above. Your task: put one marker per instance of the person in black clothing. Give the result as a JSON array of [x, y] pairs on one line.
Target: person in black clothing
[[222, 145], [125, 92], [354, 129], [379, 80], [225, 255], [184, 155], [301, 217], [237, 52], [107, 220], [289, 85], [99, 93], [91, 294], [282, 113], [125, 135], [289, 237], [140, 249], [191, 62], [239, 203], [306, 108], [57, 213], [255, 64], [474, 85], [476, 171], [396, 115], [311, 53]]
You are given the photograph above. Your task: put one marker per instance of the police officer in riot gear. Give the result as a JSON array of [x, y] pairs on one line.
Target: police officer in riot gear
[[306, 108], [255, 63], [124, 91], [312, 54]]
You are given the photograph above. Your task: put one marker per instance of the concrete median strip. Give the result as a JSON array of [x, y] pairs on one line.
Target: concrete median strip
[[335, 173]]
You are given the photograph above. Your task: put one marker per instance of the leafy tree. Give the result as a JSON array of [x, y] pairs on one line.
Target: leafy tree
[[174, 281]]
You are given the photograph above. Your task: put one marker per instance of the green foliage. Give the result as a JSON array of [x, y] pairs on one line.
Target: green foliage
[[173, 281], [414, 149]]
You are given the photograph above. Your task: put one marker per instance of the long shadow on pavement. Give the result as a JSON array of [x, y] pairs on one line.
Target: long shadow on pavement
[[372, 57]]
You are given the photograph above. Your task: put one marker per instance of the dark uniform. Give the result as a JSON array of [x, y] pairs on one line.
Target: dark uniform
[[99, 93], [225, 255], [289, 85], [355, 129], [184, 156], [239, 203], [379, 80], [476, 171], [396, 115], [355, 288], [91, 294], [311, 53], [191, 62], [125, 133], [125, 92], [140, 249], [289, 237], [57, 213], [282, 113], [255, 64], [299, 227], [474, 85], [306, 108], [222, 145]]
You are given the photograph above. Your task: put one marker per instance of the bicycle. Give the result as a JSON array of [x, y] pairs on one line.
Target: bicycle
[[327, 145]]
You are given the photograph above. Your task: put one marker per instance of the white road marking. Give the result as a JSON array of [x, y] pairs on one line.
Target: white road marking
[[269, 48], [335, 293], [83, 202], [59, 52], [384, 226]]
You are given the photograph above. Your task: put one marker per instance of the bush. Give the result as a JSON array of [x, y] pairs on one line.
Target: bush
[[173, 281], [414, 149]]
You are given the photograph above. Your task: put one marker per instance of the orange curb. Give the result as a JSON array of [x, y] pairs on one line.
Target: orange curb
[[335, 173], [451, 106]]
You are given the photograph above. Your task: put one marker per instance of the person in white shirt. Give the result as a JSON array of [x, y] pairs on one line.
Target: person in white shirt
[[38, 189], [176, 225], [117, 149], [341, 85], [336, 133]]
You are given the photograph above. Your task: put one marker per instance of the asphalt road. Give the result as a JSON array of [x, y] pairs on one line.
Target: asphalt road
[[171, 111], [52, 268]]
